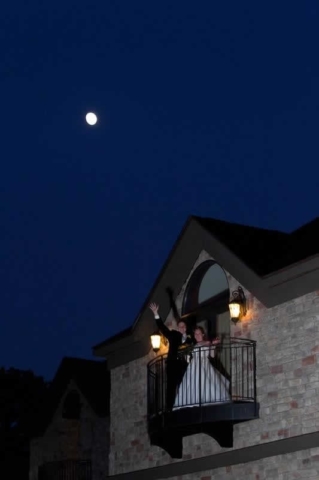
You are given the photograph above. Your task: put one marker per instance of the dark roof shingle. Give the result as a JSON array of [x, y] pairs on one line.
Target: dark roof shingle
[[258, 248]]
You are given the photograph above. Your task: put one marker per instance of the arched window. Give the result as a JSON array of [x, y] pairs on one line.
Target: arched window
[[72, 406], [206, 297]]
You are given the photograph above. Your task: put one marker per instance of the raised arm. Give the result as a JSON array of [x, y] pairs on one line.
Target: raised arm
[[169, 291], [159, 322]]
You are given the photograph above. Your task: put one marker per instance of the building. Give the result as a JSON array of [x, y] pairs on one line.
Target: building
[[271, 356], [73, 438]]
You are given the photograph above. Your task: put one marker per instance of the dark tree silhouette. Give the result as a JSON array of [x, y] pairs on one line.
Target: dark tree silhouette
[[22, 395]]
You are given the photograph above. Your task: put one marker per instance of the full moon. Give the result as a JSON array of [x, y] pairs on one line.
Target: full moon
[[91, 118]]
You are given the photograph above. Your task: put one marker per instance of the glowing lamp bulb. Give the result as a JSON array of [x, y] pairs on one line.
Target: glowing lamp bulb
[[234, 309], [156, 342]]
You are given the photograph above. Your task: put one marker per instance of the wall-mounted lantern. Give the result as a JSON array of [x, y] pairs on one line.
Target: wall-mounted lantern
[[237, 305], [156, 342]]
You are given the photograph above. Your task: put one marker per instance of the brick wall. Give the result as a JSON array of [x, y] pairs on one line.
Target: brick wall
[[287, 385], [64, 439]]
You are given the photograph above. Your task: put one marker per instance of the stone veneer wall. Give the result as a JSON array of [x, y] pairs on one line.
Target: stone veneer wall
[[65, 439], [287, 386]]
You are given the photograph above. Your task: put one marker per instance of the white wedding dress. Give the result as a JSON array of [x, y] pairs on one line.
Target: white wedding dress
[[202, 384]]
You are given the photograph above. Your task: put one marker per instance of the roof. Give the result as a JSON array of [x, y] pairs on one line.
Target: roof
[[118, 336], [266, 251], [274, 266], [258, 248], [92, 379], [304, 243]]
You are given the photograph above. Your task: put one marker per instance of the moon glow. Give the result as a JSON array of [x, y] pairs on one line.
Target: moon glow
[[91, 118]]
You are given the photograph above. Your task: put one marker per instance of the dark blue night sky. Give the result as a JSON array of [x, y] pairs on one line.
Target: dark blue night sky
[[206, 108]]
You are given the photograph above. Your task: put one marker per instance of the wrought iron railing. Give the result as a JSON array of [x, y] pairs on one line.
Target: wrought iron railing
[[66, 470], [215, 375]]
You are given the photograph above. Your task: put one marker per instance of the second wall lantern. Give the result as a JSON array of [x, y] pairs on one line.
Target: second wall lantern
[[237, 305]]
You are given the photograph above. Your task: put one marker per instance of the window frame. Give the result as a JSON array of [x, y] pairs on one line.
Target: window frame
[[196, 313]]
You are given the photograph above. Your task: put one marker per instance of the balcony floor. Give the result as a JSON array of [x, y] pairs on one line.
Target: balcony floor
[[168, 429]]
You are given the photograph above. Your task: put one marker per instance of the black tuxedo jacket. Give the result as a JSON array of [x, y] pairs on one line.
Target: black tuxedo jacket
[[175, 339]]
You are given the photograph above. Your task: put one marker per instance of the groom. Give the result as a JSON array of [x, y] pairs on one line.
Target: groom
[[176, 364]]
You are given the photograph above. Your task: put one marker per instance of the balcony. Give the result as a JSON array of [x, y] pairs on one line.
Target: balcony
[[218, 390]]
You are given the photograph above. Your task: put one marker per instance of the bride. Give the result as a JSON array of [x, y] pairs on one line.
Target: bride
[[202, 383]]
